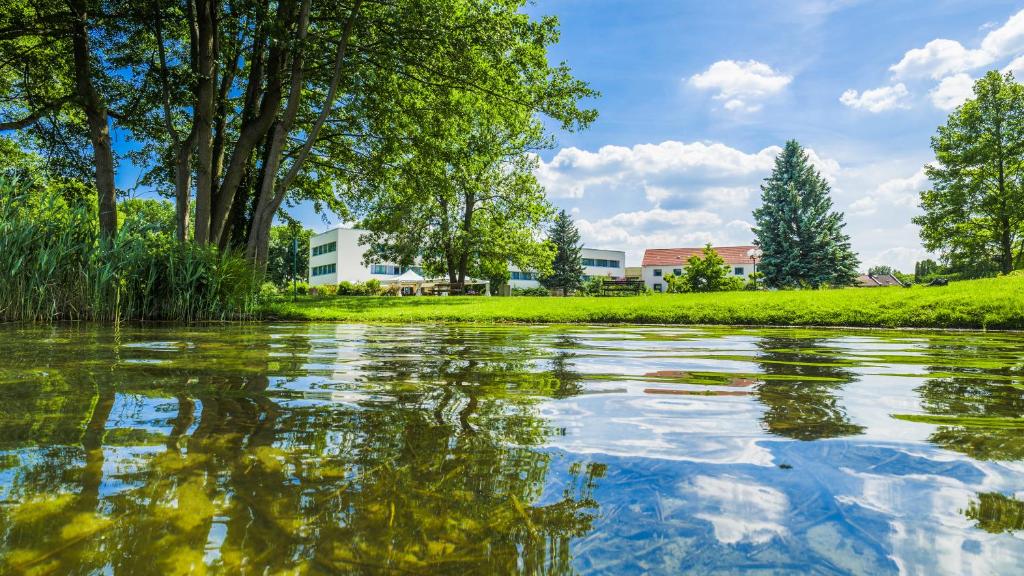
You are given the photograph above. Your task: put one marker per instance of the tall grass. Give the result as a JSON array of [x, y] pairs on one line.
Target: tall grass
[[53, 266]]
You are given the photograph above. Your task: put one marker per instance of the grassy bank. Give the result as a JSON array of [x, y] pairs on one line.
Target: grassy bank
[[996, 303]]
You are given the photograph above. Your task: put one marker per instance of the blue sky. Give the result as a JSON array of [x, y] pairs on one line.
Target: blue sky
[[697, 97]]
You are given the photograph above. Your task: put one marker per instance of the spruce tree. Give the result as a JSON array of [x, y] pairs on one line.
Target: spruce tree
[[567, 268], [801, 237]]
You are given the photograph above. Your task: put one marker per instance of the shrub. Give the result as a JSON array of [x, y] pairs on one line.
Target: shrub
[[536, 291], [373, 287], [268, 291], [593, 286]]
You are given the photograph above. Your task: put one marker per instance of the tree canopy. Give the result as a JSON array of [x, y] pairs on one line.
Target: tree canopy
[[235, 108], [801, 237], [974, 211]]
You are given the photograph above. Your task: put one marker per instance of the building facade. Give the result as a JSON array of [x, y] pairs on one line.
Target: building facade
[[596, 262], [661, 262], [336, 256]]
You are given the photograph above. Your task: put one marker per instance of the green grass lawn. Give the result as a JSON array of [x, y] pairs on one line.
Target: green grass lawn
[[995, 303]]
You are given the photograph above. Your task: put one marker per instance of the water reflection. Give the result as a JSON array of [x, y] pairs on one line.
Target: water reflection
[[426, 449]]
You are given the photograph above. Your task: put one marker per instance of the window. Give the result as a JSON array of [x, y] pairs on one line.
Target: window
[[657, 271], [678, 272], [325, 269], [613, 263], [657, 287], [517, 275], [738, 271], [385, 269], [589, 262], [325, 248]]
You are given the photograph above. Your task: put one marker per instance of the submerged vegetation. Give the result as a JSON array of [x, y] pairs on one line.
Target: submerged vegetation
[[56, 266], [993, 303]]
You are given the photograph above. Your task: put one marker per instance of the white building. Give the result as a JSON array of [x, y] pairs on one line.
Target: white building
[[607, 263], [337, 256], [661, 262]]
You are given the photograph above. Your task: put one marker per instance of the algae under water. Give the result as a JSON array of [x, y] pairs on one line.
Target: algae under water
[[325, 448]]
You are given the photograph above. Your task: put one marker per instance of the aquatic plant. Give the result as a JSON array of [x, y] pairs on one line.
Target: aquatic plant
[[56, 267]]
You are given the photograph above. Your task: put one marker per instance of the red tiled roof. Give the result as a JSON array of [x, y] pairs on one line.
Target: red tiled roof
[[679, 256]]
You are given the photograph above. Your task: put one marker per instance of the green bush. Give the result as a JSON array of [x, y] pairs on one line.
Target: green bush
[[593, 286], [371, 287], [536, 291], [268, 291], [55, 267]]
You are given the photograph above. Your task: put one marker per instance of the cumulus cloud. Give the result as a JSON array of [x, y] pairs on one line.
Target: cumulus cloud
[[895, 192], [939, 58], [743, 85], [877, 99], [952, 91], [942, 57], [663, 195]]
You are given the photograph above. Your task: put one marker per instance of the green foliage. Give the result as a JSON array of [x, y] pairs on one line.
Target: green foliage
[[268, 291], [927, 270], [974, 212], [704, 274], [56, 267], [593, 286], [535, 291], [371, 287], [280, 253], [997, 513], [965, 304], [882, 270], [802, 239], [567, 268]]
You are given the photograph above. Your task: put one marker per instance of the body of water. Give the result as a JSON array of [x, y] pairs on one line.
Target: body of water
[[323, 448]]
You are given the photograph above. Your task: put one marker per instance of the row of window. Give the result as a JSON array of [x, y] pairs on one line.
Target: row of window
[[325, 269], [325, 248], [389, 270], [517, 275], [600, 263], [738, 271]]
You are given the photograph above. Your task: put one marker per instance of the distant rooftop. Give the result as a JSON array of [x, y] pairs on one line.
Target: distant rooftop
[[678, 256]]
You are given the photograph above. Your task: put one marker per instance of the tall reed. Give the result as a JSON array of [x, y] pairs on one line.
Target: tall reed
[[53, 266]]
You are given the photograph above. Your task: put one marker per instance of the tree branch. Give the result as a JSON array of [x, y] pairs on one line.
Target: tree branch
[[34, 116]]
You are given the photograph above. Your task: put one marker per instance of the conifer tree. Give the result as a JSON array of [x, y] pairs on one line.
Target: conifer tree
[[567, 269], [801, 237]]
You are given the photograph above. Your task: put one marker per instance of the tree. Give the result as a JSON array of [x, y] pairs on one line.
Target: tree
[[881, 270], [974, 212], [704, 274], [279, 261], [925, 269], [567, 268], [801, 237]]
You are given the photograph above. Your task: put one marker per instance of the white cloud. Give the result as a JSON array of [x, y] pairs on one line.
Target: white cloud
[[952, 91], [939, 58], [942, 57], [877, 99], [903, 191], [740, 510], [864, 206], [1016, 66], [741, 84]]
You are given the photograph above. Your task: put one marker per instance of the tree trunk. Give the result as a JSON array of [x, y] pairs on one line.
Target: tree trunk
[[206, 26], [99, 123], [273, 190]]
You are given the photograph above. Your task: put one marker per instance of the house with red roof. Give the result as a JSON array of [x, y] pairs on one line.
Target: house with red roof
[[661, 262]]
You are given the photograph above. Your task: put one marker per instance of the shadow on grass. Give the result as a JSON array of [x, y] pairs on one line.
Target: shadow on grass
[[367, 303]]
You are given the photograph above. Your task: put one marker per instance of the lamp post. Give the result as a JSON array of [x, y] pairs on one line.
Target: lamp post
[[754, 254]]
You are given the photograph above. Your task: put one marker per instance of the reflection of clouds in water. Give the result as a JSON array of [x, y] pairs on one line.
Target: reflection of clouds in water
[[694, 428], [929, 532], [739, 510]]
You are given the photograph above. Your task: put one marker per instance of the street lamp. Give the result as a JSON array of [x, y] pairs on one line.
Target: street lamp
[[754, 254]]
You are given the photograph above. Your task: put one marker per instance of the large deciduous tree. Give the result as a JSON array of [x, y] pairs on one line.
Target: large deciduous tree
[[567, 267], [801, 237], [974, 212]]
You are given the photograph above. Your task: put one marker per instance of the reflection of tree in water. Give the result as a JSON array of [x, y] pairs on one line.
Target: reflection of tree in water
[[436, 477], [984, 404], [803, 402], [996, 513]]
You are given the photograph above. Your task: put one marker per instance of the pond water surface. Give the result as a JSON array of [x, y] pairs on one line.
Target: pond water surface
[[280, 449]]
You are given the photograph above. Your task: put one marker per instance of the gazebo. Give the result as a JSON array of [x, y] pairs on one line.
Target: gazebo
[[409, 279]]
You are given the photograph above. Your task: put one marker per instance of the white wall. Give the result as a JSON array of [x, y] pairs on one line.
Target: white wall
[[348, 258], [650, 280], [619, 271]]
